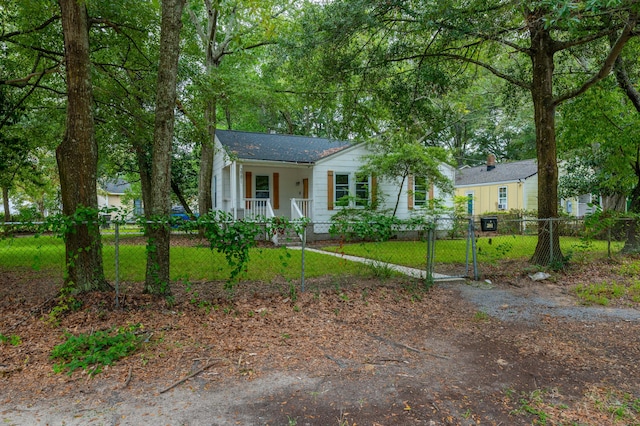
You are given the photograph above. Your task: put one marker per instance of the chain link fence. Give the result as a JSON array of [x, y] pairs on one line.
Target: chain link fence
[[447, 248]]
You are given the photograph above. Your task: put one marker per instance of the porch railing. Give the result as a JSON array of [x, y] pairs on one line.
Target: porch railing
[[257, 208], [301, 207]]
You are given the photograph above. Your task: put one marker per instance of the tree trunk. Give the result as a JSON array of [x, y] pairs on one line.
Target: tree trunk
[[5, 203], [77, 156], [632, 240], [542, 50], [205, 177], [157, 278]]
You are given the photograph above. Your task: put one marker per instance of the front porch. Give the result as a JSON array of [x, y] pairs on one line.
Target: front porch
[[258, 191], [257, 209]]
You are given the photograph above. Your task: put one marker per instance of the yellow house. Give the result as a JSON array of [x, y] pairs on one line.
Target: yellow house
[[495, 187], [499, 187]]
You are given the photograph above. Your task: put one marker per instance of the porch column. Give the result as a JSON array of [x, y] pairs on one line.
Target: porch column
[[233, 181]]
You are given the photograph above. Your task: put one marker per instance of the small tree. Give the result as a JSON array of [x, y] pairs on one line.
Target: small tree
[[399, 155]]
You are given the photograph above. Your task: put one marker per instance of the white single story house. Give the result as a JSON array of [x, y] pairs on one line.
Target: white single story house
[[258, 174]]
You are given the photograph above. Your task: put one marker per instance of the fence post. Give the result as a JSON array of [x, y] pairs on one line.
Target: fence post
[[474, 255], [304, 243], [117, 257], [550, 241], [430, 253]]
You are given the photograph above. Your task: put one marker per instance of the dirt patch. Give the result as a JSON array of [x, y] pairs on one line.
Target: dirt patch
[[348, 351]]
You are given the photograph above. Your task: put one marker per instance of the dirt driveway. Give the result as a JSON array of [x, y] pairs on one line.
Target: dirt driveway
[[352, 351]]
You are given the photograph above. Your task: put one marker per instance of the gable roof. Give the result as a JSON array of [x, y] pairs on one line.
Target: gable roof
[[503, 172], [115, 186], [276, 147]]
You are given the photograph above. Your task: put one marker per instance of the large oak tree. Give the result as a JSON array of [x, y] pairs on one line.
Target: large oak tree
[[77, 155], [553, 49]]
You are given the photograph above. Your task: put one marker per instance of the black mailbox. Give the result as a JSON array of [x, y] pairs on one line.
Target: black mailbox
[[489, 224]]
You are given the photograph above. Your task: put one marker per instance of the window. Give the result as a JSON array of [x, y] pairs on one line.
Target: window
[[420, 191], [342, 189], [362, 190], [502, 198], [262, 187], [351, 189], [137, 207]]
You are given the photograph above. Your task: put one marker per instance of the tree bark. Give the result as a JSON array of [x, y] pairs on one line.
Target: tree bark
[[5, 204], [205, 177], [632, 241], [542, 51], [77, 155], [159, 233]]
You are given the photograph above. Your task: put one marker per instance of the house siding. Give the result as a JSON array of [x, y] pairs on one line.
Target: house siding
[[519, 195], [347, 161]]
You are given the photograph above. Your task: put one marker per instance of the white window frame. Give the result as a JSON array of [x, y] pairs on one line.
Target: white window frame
[[420, 188], [260, 193], [351, 187], [359, 186], [502, 198], [341, 190]]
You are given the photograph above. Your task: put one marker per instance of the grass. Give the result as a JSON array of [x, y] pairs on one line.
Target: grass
[[201, 263], [599, 405], [600, 293], [192, 263], [490, 249]]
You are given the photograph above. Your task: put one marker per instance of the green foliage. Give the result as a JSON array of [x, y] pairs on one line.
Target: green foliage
[[532, 403], [599, 293], [13, 339], [65, 302], [93, 351], [236, 238], [481, 316], [363, 225]]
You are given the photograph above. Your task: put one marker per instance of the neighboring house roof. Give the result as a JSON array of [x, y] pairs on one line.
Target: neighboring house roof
[[115, 186], [276, 147], [502, 172]]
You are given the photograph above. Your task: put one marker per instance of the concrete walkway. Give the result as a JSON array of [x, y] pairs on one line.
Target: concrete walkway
[[411, 272]]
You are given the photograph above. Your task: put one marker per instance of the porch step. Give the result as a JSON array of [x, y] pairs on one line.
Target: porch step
[[290, 239]]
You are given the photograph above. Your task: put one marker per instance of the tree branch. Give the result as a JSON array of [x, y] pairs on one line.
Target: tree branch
[[5, 37], [609, 62], [487, 67]]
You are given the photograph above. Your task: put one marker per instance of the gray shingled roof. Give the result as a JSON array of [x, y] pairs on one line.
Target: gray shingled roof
[[275, 147], [503, 172], [115, 186]]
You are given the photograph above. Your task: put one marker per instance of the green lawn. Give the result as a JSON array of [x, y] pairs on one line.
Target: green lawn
[[192, 263], [490, 249], [200, 263]]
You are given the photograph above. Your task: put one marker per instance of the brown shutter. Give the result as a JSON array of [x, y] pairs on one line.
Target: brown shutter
[[276, 191], [330, 190], [374, 189], [410, 192], [247, 188]]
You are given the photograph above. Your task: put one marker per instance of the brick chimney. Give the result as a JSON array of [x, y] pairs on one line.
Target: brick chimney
[[491, 162]]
